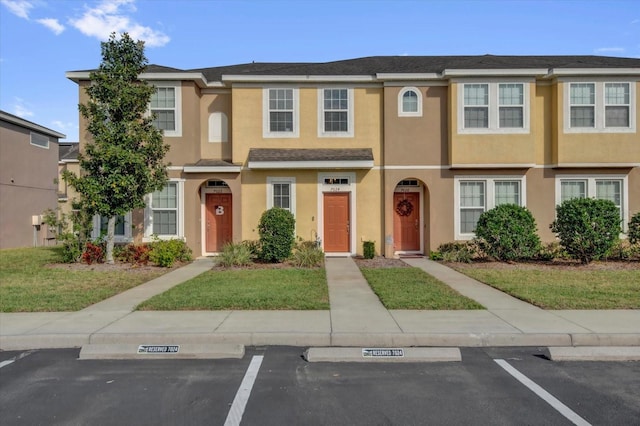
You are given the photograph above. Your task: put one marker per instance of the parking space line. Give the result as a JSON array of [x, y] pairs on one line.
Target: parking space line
[[7, 362], [242, 396], [546, 396]]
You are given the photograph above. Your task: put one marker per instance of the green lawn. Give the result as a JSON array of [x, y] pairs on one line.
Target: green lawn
[[27, 284], [412, 288], [247, 289], [565, 289]]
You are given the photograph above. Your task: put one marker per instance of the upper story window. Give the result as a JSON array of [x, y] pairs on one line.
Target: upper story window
[[599, 107], [166, 107], [336, 112], [494, 108], [39, 140], [281, 112], [409, 102]]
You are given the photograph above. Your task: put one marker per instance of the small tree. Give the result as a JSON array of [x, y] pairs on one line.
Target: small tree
[[634, 229], [277, 234], [587, 228], [124, 161], [509, 231]]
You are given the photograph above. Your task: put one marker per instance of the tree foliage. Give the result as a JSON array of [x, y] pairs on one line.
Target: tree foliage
[[123, 160], [587, 227], [509, 231]]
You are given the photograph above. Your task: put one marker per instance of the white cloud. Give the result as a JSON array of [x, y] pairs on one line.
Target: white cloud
[[21, 109], [52, 24], [62, 126], [18, 7], [610, 50], [108, 17]]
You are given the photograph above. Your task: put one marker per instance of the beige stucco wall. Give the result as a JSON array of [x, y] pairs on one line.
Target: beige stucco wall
[[219, 101], [27, 185]]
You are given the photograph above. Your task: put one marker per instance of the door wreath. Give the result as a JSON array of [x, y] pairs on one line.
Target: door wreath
[[404, 208]]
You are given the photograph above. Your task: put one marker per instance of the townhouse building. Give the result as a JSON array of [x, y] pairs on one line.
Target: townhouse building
[[403, 151]]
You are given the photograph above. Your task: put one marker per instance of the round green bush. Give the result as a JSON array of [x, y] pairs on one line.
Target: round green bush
[[587, 228], [509, 231], [277, 235]]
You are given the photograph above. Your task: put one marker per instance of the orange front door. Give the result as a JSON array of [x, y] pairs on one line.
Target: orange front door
[[219, 223], [336, 222], [406, 221]]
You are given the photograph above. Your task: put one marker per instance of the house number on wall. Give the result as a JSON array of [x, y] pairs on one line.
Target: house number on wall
[[219, 210]]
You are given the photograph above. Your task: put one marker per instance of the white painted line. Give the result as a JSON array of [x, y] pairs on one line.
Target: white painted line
[[546, 396], [7, 362], [242, 396]]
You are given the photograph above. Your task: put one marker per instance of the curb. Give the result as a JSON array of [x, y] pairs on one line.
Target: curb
[[383, 355], [185, 351], [595, 353]]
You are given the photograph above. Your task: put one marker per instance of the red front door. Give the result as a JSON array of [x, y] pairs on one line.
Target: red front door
[[219, 223], [406, 221], [336, 222]]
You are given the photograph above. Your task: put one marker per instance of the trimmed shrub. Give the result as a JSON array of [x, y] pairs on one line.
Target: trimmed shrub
[[509, 231], [307, 255], [551, 251], [587, 228], [166, 252], [233, 254], [93, 253], [369, 249], [276, 230], [135, 254], [459, 251], [634, 229], [253, 246]]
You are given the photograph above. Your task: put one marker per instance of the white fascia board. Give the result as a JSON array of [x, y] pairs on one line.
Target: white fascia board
[[593, 71], [156, 76], [296, 78], [212, 169], [409, 76], [594, 165], [494, 166], [366, 164], [495, 72]]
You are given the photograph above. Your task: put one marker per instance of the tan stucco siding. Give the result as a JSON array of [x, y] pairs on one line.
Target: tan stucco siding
[[186, 148], [416, 140], [211, 103], [543, 120], [247, 107]]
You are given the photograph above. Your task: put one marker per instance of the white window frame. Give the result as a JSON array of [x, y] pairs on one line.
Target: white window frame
[[291, 181], [591, 191], [401, 111], [35, 136], [494, 108], [350, 114], [148, 215], [490, 197], [600, 106], [177, 108], [126, 238], [266, 116]]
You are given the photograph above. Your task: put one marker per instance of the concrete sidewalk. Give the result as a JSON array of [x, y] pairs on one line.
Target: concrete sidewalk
[[356, 318]]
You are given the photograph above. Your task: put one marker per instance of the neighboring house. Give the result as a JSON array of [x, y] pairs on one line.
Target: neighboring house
[[28, 173], [404, 151]]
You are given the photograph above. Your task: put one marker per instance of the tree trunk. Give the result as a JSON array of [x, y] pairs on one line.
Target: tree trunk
[[111, 226]]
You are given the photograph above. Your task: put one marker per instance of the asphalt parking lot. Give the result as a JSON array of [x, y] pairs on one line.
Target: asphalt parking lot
[[276, 386]]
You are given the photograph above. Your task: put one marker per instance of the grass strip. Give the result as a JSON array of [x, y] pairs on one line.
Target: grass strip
[[412, 288], [27, 284], [247, 289], [563, 289]]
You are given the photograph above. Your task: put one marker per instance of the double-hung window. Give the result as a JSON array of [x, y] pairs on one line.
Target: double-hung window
[[474, 196], [600, 107], [610, 188], [164, 213], [280, 114], [281, 193], [122, 230], [336, 112], [166, 109], [494, 108]]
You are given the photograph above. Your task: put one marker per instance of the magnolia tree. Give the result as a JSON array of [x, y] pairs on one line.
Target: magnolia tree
[[124, 160]]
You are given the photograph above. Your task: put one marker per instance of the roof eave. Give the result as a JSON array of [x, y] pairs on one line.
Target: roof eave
[[296, 78], [558, 72], [347, 164], [498, 72]]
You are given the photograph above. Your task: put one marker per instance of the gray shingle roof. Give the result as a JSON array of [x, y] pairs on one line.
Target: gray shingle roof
[[68, 151], [274, 155]]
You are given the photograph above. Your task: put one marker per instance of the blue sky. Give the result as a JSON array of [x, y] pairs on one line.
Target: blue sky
[[42, 39]]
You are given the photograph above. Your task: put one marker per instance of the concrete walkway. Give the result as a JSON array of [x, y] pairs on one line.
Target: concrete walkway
[[356, 318]]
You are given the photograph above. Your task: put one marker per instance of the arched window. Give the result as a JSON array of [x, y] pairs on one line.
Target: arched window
[[410, 102], [218, 127]]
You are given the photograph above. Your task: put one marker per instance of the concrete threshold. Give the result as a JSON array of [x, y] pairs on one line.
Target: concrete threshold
[[171, 351], [395, 355], [595, 353]]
